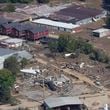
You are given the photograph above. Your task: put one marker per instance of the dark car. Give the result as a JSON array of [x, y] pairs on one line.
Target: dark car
[[51, 86]]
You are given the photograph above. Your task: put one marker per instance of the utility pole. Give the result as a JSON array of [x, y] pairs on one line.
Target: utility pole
[[43, 78], [43, 88]]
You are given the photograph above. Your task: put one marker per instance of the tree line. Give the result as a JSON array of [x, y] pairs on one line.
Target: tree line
[[23, 1], [15, 1], [106, 1], [69, 44]]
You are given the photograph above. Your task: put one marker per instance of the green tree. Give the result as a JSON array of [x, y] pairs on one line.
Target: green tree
[[15, 1], [99, 55], [108, 21], [24, 1], [12, 64], [84, 46], [66, 43], [43, 1], [87, 48], [23, 62], [53, 46], [82, 0], [62, 42], [72, 45], [9, 8], [6, 82]]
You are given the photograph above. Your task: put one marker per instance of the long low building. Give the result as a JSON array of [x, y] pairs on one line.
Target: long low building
[[78, 14], [63, 103], [57, 25]]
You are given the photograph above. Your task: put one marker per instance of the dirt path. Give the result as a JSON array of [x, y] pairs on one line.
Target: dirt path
[[73, 73], [92, 101], [24, 104]]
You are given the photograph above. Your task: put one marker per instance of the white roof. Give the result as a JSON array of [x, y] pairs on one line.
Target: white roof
[[13, 40], [61, 101], [30, 71], [55, 23], [2, 37], [101, 30], [2, 59]]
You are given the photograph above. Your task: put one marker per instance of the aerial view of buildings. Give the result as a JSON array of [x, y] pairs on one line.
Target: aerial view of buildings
[[54, 55]]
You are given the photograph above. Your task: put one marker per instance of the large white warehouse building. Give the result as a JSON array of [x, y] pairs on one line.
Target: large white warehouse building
[[56, 25]]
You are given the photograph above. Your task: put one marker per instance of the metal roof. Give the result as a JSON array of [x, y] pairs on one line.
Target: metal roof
[[38, 29], [23, 26], [102, 30], [23, 54], [11, 25], [78, 12], [55, 23], [19, 28], [13, 40], [4, 51], [61, 101], [3, 20], [3, 37]]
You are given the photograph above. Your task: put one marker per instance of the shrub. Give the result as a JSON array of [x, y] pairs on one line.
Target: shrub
[[13, 101], [100, 56]]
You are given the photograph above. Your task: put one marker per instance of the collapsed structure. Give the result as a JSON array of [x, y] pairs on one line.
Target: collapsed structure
[[6, 53]]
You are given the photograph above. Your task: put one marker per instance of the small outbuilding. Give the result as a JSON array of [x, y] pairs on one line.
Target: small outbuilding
[[63, 103], [102, 32], [12, 42], [3, 37]]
